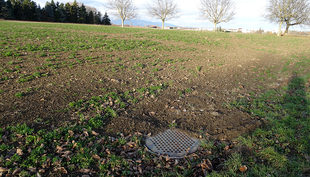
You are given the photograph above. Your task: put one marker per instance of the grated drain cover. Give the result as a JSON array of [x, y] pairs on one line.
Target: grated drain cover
[[173, 143]]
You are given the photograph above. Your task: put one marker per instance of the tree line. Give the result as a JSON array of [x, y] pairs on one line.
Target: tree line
[[52, 12], [288, 12]]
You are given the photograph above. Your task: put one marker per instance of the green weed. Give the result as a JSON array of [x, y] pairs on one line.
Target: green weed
[[19, 94]]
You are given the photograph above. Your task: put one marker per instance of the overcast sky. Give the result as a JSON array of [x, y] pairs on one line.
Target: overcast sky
[[248, 14]]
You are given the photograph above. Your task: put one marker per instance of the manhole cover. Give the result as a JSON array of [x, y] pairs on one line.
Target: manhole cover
[[173, 143]]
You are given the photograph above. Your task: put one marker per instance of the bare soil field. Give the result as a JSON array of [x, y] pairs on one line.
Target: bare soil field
[[122, 81]]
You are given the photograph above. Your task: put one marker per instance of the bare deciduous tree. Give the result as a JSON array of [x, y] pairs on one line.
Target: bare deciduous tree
[[123, 9], [164, 10], [290, 12], [217, 11]]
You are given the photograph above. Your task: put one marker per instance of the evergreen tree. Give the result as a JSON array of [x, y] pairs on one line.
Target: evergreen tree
[[67, 12], [44, 15], [50, 12], [97, 18], [61, 11], [82, 14], [26, 10], [74, 12], [56, 13], [53, 5], [90, 19], [8, 11], [18, 12], [99, 15], [2, 5], [32, 10], [39, 14], [106, 20], [87, 18]]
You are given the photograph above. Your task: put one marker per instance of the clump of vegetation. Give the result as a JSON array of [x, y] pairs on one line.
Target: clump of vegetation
[[9, 53], [188, 90], [155, 69], [10, 62], [8, 70], [198, 68], [19, 94], [43, 55]]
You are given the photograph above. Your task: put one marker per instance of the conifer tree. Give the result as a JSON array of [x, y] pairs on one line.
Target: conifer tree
[[74, 12], [25, 10], [33, 12], [82, 14], [67, 12], [53, 5], [8, 11], [62, 13], [39, 13], [50, 12], [17, 10], [57, 13], [90, 19], [106, 20], [98, 17], [44, 15], [2, 5]]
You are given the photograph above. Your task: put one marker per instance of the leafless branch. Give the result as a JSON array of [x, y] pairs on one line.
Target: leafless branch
[[164, 10], [217, 11], [123, 9], [290, 12]]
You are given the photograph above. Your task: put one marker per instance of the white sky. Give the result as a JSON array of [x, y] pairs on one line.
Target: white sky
[[248, 14]]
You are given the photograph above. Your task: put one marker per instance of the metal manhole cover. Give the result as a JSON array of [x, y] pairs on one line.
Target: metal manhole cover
[[173, 143]]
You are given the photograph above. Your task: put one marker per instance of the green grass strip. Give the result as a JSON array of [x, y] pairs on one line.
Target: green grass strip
[[281, 146]]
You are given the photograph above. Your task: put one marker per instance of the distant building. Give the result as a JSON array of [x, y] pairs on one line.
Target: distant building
[[246, 31], [271, 31], [231, 30], [204, 29], [168, 27], [190, 29]]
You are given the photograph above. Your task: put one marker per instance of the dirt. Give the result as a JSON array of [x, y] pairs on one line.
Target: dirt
[[199, 112]]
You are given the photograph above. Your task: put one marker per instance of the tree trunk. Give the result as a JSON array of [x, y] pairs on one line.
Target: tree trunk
[[214, 27], [122, 23], [163, 25], [286, 30], [280, 26]]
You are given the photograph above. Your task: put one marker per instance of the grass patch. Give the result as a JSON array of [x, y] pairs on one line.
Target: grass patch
[[281, 146], [19, 94]]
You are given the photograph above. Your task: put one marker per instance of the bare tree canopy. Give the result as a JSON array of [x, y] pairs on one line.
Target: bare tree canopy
[[123, 9], [290, 12], [217, 11], [164, 10]]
